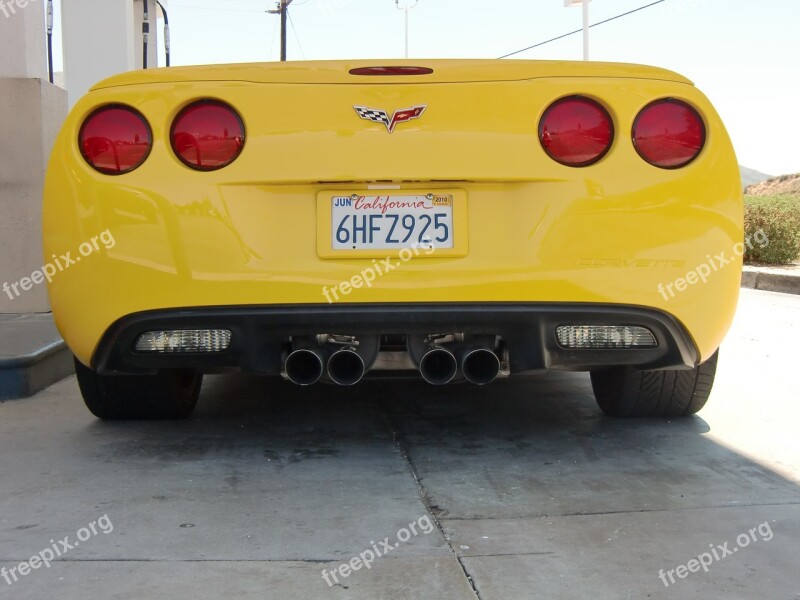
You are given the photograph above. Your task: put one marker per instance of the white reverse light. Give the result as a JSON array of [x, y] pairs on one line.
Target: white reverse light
[[605, 336], [184, 340]]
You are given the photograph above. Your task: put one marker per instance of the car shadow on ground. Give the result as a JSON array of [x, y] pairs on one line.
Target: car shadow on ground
[[532, 446]]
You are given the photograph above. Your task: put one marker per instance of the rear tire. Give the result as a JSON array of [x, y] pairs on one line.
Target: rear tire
[[168, 394], [627, 392]]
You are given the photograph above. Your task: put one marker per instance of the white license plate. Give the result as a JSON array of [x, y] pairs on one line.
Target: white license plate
[[386, 222]]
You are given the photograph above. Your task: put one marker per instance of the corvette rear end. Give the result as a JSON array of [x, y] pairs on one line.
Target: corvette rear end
[[327, 221]]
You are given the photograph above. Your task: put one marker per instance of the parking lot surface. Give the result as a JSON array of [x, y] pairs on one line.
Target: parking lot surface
[[517, 490]]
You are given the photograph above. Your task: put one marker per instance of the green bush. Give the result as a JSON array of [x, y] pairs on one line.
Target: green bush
[[778, 217]]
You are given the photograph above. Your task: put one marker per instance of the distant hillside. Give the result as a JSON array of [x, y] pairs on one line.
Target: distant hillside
[[751, 176], [776, 186]]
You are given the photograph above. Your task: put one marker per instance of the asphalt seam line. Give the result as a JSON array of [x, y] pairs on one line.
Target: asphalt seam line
[[398, 441]]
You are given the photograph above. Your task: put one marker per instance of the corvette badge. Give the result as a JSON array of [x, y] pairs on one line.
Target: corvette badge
[[381, 116]]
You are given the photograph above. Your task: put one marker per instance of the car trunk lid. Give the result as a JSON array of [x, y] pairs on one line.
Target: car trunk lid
[[385, 71]]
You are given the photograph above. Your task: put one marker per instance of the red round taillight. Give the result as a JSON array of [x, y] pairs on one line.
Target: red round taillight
[[115, 139], [207, 135], [669, 133], [576, 131]]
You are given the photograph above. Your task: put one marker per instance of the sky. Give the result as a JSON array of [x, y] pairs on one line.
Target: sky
[[743, 54]]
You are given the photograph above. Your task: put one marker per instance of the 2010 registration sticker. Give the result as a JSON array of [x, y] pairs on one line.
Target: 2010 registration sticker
[[387, 222]]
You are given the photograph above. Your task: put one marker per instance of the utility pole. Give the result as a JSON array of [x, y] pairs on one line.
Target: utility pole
[[283, 11], [408, 6]]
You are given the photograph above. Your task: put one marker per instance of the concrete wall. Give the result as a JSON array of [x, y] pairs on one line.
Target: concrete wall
[[96, 43], [32, 113], [102, 38], [19, 26]]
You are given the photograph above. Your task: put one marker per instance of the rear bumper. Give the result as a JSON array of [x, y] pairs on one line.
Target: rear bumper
[[260, 334]]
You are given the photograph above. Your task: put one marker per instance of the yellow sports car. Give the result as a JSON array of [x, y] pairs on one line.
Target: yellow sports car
[[461, 220]]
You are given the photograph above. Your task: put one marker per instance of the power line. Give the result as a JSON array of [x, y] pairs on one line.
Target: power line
[[560, 37], [218, 9], [272, 43], [296, 37]]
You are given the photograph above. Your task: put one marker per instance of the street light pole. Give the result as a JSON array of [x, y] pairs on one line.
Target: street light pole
[[406, 8], [585, 29], [585, 5]]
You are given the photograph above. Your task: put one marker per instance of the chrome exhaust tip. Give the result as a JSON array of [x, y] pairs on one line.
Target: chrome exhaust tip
[[438, 366], [303, 367], [346, 367], [480, 366]]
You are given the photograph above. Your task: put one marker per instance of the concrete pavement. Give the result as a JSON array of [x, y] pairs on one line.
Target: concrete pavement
[[531, 491]]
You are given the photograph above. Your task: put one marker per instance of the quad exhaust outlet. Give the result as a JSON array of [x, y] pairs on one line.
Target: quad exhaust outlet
[[480, 365], [346, 367], [339, 359], [303, 366], [438, 366], [439, 358]]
